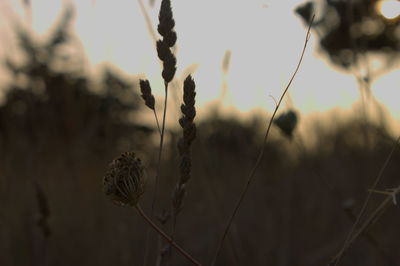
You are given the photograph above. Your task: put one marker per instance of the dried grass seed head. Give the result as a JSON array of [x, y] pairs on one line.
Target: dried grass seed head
[[170, 38], [185, 169], [169, 67], [179, 195], [146, 94], [189, 112], [163, 50], [165, 18], [189, 91], [124, 181]]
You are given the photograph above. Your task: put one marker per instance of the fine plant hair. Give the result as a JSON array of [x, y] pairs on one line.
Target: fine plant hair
[[391, 197], [261, 153], [189, 134], [124, 184]]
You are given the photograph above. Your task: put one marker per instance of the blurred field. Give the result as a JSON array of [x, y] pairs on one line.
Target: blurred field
[[298, 210]]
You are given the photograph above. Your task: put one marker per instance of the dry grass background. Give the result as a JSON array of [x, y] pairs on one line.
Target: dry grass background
[[294, 214], [57, 138]]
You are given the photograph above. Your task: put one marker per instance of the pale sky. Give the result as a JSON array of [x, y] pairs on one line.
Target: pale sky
[[264, 37]]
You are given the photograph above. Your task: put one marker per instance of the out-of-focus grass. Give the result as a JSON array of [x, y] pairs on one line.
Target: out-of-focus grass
[[295, 211]]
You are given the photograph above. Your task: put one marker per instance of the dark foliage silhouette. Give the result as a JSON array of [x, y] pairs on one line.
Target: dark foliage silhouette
[[348, 29]]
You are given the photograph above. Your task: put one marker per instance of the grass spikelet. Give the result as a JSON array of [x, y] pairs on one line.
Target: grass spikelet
[[165, 28], [189, 134], [165, 18], [147, 96]]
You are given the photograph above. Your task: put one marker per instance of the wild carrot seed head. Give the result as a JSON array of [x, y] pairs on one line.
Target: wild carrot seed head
[[124, 182]]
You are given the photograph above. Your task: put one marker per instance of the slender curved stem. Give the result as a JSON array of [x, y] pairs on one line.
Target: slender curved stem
[[165, 236], [261, 153]]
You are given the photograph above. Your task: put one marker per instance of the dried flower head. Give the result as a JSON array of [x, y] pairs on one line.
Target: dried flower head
[[123, 182]]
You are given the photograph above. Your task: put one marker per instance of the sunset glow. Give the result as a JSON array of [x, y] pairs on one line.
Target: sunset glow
[[264, 39], [390, 9]]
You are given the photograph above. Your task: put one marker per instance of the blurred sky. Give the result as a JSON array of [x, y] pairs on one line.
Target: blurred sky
[[264, 38]]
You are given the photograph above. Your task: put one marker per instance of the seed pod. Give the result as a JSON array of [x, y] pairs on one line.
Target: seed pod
[[124, 182]]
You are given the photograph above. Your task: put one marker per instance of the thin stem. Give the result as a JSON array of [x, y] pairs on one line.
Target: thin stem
[[160, 149], [378, 178], [261, 153], [165, 236], [158, 124]]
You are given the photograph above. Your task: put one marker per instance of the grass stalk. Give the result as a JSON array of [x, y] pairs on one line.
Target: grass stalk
[[160, 149], [261, 153], [158, 124], [165, 236], [166, 30]]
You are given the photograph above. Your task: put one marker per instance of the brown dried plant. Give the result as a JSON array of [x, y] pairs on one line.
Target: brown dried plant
[[149, 100], [166, 30], [189, 134], [124, 184]]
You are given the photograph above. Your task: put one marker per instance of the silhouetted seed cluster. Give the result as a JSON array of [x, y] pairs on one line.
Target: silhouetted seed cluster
[[123, 182], [146, 94], [165, 28], [189, 134]]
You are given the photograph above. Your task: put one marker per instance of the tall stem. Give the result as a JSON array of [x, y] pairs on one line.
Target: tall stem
[[261, 153], [160, 149]]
